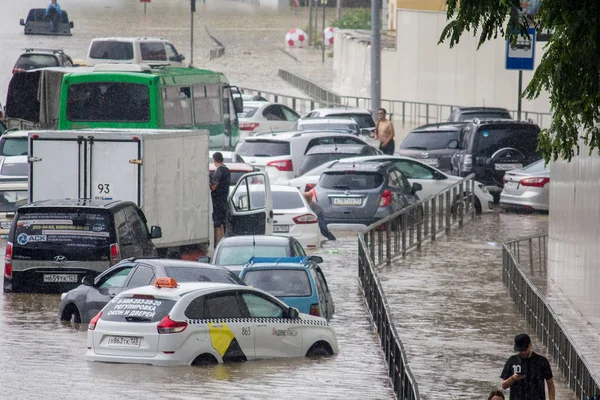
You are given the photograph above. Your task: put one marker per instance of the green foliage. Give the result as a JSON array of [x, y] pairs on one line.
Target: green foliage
[[354, 19], [569, 70]]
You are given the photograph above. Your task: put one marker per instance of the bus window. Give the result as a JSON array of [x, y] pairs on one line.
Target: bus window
[[177, 109], [207, 108]]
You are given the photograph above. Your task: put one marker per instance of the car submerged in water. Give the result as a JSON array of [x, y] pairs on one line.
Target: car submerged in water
[[37, 23]]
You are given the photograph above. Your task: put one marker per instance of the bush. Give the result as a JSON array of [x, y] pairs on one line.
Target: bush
[[355, 19]]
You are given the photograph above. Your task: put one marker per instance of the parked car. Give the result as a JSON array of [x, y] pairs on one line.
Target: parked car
[[265, 116], [252, 97], [297, 281], [465, 114], [228, 157], [233, 252], [14, 143], [12, 196], [490, 148], [81, 304], [363, 193], [151, 51], [14, 168], [37, 23], [41, 58], [433, 144], [527, 188], [236, 170], [281, 154], [320, 154], [363, 117], [238, 323], [339, 124]]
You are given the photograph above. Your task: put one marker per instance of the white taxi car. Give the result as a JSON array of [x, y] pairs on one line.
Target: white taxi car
[[203, 323]]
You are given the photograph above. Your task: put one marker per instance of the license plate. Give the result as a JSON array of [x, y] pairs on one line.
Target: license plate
[[6, 225], [60, 278], [281, 228], [347, 201], [507, 167], [510, 185], [430, 161], [124, 341]]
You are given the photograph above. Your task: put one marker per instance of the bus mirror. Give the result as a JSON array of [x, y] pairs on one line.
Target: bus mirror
[[238, 104]]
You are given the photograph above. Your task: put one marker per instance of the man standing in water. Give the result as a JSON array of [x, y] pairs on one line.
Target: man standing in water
[[384, 132], [53, 13], [219, 186]]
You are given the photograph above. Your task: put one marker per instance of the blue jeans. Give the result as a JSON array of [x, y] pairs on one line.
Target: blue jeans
[[324, 230]]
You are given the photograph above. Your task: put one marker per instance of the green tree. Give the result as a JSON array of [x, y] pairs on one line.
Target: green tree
[[355, 19], [569, 70]]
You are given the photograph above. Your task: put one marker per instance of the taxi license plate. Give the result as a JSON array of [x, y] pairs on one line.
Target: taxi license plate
[[124, 341], [60, 278], [347, 201], [507, 167], [430, 161], [281, 228]]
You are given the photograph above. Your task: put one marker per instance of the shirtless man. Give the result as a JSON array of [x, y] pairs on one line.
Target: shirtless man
[[384, 132]]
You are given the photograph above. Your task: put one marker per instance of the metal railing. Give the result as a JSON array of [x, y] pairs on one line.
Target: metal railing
[[392, 237], [532, 305]]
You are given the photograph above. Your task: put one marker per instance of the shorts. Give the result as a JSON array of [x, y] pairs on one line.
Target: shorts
[[389, 148], [219, 216]]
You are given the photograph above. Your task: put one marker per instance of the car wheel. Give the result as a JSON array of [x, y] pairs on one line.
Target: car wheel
[[71, 314], [465, 200], [205, 359], [319, 349]]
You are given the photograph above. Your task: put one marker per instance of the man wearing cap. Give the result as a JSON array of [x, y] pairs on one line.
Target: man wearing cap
[[525, 373]]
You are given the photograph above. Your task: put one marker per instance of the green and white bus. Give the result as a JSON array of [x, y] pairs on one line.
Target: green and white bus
[[132, 96]]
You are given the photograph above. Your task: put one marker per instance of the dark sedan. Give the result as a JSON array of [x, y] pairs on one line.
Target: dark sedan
[[81, 304]]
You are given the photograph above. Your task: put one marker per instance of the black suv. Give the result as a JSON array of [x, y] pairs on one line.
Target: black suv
[[462, 114], [490, 148], [41, 58], [53, 244]]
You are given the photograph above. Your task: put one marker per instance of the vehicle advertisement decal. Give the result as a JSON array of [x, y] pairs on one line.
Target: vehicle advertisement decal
[[129, 307], [224, 342]]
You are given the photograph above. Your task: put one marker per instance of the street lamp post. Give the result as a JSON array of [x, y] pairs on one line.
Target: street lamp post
[[375, 55]]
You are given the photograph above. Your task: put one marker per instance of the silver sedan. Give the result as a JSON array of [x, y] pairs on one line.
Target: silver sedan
[[527, 187]]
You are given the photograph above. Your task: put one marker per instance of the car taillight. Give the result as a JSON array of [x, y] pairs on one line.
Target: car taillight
[[282, 165], [249, 126], [534, 182], [115, 253], [309, 186], [386, 198], [167, 325], [94, 321], [8, 260], [305, 219], [468, 163], [16, 70], [315, 310], [504, 179]]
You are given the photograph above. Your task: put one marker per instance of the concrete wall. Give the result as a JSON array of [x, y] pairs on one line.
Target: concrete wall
[[431, 5], [420, 70], [574, 232]]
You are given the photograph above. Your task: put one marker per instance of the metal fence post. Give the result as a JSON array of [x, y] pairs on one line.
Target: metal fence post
[[434, 216], [448, 211]]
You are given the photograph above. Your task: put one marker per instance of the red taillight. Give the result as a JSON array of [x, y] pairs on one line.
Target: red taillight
[[386, 198], [309, 186], [282, 165], [504, 180], [535, 182], [248, 126], [16, 70], [305, 219], [167, 325], [115, 253], [315, 310], [8, 260], [94, 321]]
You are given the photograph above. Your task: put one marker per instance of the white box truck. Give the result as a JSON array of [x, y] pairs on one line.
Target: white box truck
[[165, 172]]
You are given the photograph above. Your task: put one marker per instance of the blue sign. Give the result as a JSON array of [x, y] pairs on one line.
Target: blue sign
[[522, 55]]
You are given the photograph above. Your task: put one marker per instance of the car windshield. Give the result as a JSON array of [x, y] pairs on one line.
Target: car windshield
[[192, 274], [488, 140], [286, 200], [10, 200], [240, 254], [248, 112], [363, 120], [111, 50], [13, 146], [14, 169], [325, 126], [280, 282], [350, 180], [140, 310], [31, 61], [483, 115], [312, 161], [429, 140], [263, 148]]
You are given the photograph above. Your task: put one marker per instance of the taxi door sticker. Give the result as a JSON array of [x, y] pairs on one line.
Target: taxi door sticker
[[224, 342]]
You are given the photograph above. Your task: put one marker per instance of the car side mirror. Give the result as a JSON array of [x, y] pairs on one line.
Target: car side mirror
[[238, 104], [181, 57], [365, 131], [293, 313], [416, 187], [22, 22], [71, 25], [155, 232], [203, 259], [317, 259], [453, 144], [87, 281]]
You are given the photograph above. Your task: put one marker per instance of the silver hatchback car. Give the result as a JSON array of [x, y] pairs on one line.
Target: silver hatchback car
[[527, 188]]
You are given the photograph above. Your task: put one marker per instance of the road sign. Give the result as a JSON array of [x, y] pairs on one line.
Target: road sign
[[522, 55]]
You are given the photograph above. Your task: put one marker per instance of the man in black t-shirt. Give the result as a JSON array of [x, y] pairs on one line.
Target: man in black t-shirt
[[525, 373], [219, 186]]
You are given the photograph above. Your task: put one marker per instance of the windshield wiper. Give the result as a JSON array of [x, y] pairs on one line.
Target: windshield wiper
[[415, 148], [262, 155], [138, 319]]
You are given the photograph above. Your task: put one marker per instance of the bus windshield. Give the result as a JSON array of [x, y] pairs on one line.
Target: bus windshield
[[108, 101]]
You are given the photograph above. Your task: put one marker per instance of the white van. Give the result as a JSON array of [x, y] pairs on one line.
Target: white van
[[134, 50]]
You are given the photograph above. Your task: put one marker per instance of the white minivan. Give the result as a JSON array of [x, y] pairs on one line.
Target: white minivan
[[152, 51]]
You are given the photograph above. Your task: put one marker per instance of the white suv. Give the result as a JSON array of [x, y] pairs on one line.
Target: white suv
[[134, 50], [280, 154]]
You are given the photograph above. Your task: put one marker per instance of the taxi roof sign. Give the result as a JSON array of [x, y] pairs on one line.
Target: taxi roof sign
[[166, 283]]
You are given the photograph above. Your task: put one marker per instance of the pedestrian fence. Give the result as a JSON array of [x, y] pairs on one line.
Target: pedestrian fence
[[219, 49], [392, 237], [531, 252]]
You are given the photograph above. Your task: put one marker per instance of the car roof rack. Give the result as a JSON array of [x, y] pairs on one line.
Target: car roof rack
[[30, 49], [277, 260], [114, 67]]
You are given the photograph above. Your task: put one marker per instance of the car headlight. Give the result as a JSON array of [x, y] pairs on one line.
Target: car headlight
[[483, 188]]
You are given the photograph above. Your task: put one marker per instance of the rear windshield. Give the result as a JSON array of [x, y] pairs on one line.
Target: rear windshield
[[191, 274], [350, 180], [111, 50], [108, 101], [248, 112], [10, 200], [286, 200], [336, 126], [137, 310], [363, 120], [13, 146], [14, 169], [240, 254], [31, 61], [429, 140], [263, 148], [523, 138], [312, 161], [469, 116], [280, 282]]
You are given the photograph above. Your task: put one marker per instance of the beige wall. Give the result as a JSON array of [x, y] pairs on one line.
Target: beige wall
[[431, 5]]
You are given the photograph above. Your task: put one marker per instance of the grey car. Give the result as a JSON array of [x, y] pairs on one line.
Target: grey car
[[527, 188], [363, 193], [433, 144], [461, 114], [323, 153], [341, 124], [81, 304]]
